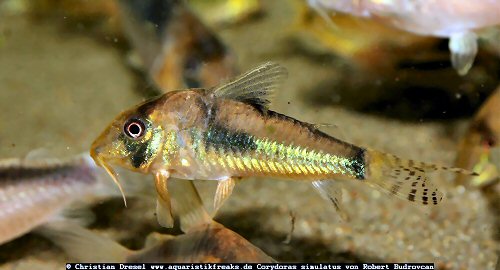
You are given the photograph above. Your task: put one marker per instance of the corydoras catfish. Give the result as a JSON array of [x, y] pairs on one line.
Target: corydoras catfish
[[37, 191], [175, 47], [228, 132], [453, 19], [205, 241]]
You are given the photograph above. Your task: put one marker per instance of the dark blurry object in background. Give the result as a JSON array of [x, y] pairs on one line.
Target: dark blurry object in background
[[175, 47]]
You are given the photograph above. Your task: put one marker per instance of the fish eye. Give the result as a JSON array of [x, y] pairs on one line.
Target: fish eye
[[134, 128]]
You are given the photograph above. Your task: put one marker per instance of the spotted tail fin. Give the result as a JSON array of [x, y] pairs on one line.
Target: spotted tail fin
[[405, 179]]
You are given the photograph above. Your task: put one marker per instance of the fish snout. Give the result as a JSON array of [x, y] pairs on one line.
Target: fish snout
[[95, 153]]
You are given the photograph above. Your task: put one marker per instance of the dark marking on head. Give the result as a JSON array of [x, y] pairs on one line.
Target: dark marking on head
[[412, 173], [139, 151], [140, 155]]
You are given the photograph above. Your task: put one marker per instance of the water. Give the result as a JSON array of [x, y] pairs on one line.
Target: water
[[64, 77]]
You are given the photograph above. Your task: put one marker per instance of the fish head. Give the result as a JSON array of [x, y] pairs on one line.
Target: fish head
[[132, 140]]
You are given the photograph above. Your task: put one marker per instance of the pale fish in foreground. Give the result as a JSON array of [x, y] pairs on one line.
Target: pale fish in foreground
[[227, 132], [37, 191], [453, 19], [205, 241]]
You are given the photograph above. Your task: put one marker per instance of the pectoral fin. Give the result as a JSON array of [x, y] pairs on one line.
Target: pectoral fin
[[224, 190], [331, 191], [463, 47], [163, 204]]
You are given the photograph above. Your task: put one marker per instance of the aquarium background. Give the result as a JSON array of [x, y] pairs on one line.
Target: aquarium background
[[66, 70]]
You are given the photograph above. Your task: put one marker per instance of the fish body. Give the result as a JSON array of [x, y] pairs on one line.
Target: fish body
[[434, 17], [33, 192], [208, 243], [456, 19], [175, 47], [235, 139], [204, 240], [228, 132]]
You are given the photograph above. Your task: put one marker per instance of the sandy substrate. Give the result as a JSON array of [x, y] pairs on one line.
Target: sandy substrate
[[60, 88]]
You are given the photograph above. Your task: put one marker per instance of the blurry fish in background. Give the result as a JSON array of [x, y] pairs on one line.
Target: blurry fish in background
[[227, 132], [34, 191], [204, 241], [95, 14], [480, 148], [403, 75], [368, 43], [171, 44], [457, 20], [226, 12], [175, 48]]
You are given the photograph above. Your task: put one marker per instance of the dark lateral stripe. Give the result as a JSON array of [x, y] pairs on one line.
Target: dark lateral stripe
[[14, 173], [63, 171], [218, 136], [358, 164]]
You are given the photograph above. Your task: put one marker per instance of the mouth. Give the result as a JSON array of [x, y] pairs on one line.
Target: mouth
[[99, 160]]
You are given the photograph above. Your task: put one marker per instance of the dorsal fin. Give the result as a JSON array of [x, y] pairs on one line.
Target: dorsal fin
[[254, 87]]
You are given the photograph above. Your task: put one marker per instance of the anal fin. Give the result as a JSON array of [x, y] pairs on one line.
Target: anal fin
[[331, 191], [224, 190]]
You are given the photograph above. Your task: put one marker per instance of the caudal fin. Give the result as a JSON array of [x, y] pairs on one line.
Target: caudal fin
[[405, 179]]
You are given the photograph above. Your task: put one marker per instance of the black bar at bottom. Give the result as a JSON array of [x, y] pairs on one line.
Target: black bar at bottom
[[251, 266]]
